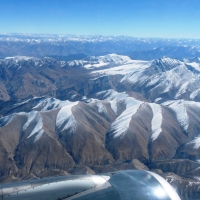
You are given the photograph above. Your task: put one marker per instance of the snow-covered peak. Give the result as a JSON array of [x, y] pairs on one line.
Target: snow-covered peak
[[107, 60], [123, 69], [114, 59], [165, 64], [20, 58]]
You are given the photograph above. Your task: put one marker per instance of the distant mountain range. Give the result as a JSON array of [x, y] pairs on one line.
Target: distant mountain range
[[71, 47]]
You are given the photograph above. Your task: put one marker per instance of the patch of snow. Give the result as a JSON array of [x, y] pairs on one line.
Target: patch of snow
[[113, 105], [101, 108], [23, 102], [195, 65], [158, 99], [194, 94], [110, 59], [181, 112], [95, 65], [121, 124], [34, 125], [36, 63], [192, 103], [114, 58], [62, 63], [77, 63], [65, 119], [191, 183], [6, 120], [113, 98], [153, 80], [182, 89], [19, 67], [50, 104], [108, 94], [197, 178], [73, 96], [91, 100], [134, 66], [156, 120], [18, 58], [196, 142], [38, 136], [137, 73], [119, 96]]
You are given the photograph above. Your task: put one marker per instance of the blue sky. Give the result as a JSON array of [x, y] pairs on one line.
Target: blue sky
[[138, 18]]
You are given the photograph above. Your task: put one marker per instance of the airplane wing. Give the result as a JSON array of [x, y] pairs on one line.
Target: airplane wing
[[120, 185]]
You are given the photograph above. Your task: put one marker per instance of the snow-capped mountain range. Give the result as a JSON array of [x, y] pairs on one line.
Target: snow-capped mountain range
[[101, 112], [158, 80], [90, 38], [71, 47]]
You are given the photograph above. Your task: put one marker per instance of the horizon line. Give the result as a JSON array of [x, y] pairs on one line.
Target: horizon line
[[95, 35]]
